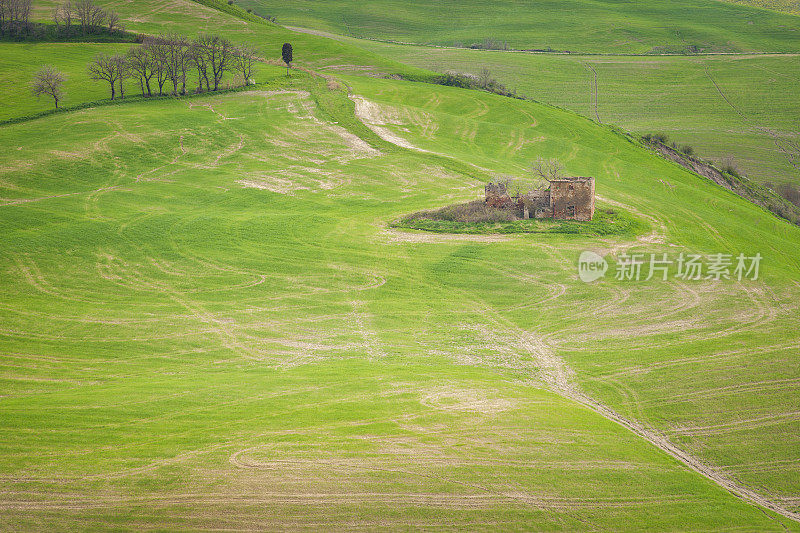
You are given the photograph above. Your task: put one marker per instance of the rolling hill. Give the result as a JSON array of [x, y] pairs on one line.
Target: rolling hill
[[731, 109]]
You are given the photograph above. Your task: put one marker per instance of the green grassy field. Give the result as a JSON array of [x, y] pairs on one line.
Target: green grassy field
[[21, 61], [577, 25], [637, 362], [206, 320], [166, 304]]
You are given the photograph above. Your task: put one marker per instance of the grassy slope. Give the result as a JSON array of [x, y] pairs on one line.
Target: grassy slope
[[179, 321], [757, 128], [191, 18], [637, 26], [713, 366], [183, 351]]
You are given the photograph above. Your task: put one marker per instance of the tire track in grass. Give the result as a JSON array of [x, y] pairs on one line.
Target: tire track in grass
[[593, 91], [558, 377], [790, 149]]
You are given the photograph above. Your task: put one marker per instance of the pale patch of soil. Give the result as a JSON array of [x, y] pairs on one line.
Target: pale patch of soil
[[457, 399], [16, 201], [397, 236], [68, 155], [294, 179], [375, 118]]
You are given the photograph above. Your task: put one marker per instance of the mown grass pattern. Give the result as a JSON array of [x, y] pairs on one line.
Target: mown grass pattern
[[205, 321]]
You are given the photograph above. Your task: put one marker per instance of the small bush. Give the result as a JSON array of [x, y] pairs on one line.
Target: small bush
[[687, 149], [729, 166], [230, 2], [469, 213], [482, 82], [652, 138], [490, 44]]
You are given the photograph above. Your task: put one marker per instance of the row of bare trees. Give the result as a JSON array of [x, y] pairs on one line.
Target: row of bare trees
[[73, 17], [167, 62], [86, 16], [14, 15]]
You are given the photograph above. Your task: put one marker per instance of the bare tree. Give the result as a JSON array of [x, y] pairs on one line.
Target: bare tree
[[548, 169], [125, 72], [218, 55], [112, 21], [185, 63], [62, 17], [157, 51], [243, 61], [14, 15], [106, 68], [97, 17], [200, 63], [485, 78], [48, 80], [176, 52], [141, 66], [89, 15], [23, 12]]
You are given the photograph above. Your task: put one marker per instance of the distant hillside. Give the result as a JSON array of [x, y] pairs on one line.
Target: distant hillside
[[637, 26]]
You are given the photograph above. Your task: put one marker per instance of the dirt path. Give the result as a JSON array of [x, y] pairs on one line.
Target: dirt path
[[375, 119], [5, 202]]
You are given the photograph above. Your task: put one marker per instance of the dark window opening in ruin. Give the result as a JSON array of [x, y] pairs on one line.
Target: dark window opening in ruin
[[572, 187], [570, 209]]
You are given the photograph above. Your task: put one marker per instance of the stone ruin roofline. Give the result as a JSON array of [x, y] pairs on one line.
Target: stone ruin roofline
[[572, 178]]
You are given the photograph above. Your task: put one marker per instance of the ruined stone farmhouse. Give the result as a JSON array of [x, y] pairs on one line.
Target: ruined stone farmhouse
[[565, 199]]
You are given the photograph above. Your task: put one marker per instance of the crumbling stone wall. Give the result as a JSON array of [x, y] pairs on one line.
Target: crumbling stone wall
[[566, 199], [497, 195], [537, 203], [572, 198]]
